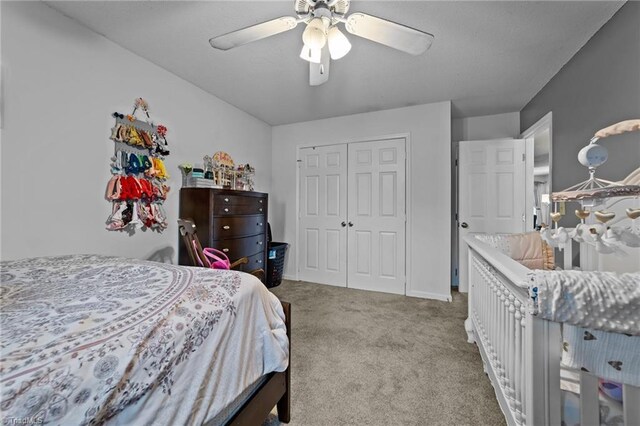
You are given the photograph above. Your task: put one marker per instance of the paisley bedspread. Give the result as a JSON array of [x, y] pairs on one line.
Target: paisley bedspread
[[94, 340]]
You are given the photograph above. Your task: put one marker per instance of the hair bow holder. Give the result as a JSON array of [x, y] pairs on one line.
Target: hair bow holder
[[137, 188]]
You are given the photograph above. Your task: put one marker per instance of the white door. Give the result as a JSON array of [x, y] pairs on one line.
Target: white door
[[323, 215], [491, 193], [376, 243]]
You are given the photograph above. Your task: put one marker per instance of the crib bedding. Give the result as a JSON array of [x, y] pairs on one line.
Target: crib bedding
[[605, 301], [92, 339], [528, 249], [600, 312]]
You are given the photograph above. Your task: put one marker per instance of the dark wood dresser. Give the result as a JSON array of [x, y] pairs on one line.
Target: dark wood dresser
[[234, 222]]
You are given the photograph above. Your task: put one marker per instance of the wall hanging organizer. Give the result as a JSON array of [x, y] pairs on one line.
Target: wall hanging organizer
[[137, 189]]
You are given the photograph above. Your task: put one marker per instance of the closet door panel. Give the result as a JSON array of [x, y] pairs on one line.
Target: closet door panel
[[323, 210], [376, 241], [363, 253], [388, 254], [312, 248], [363, 194], [332, 197]]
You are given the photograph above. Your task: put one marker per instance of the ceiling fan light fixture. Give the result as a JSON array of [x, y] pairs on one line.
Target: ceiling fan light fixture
[[311, 55], [339, 44], [323, 40], [314, 35]]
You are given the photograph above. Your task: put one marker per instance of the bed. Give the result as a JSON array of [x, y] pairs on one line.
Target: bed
[[104, 340], [559, 347]]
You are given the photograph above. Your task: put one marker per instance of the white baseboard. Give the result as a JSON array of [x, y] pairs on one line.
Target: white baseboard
[[420, 294], [429, 295]]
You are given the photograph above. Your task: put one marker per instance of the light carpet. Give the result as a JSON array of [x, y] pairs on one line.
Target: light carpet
[[367, 358]]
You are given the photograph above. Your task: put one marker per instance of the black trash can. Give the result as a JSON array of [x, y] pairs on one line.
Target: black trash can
[[275, 263]]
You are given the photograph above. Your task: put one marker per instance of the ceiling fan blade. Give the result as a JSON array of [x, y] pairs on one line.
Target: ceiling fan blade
[[319, 73], [254, 33], [389, 33]]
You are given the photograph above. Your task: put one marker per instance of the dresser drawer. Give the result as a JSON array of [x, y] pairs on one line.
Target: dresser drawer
[[255, 262], [236, 248], [237, 226], [227, 205]]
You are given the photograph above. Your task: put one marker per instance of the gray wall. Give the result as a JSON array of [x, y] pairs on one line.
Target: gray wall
[[599, 86]]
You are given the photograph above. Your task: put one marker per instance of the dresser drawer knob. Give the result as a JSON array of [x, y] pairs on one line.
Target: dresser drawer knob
[[259, 261], [260, 209], [226, 250], [226, 200], [260, 201], [226, 227], [259, 243], [259, 223], [226, 210]]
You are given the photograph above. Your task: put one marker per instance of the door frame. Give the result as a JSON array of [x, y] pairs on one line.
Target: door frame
[[407, 200], [545, 123]]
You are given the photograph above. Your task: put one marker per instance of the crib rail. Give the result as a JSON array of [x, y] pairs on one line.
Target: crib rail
[[515, 346], [521, 353]]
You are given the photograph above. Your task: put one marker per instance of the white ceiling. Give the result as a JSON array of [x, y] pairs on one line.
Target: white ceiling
[[487, 57]]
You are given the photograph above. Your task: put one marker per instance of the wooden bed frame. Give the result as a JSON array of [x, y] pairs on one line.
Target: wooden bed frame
[[275, 391]]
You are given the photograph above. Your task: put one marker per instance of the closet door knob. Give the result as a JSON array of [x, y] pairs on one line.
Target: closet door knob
[[259, 261], [464, 225], [259, 243], [226, 227], [350, 224], [343, 224], [226, 250], [259, 223]]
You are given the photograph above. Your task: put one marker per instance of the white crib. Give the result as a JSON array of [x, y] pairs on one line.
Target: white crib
[[520, 351]]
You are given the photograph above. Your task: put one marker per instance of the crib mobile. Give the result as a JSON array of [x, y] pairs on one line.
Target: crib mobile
[[594, 196], [137, 188]]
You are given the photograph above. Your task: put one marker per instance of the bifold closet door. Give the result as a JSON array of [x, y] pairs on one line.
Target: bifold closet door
[[323, 213], [377, 217]]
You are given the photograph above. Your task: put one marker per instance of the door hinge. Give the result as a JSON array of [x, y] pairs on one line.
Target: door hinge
[[455, 272], [456, 161], [524, 156]]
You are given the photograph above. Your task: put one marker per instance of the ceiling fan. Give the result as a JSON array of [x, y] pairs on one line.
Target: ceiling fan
[[322, 38]]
